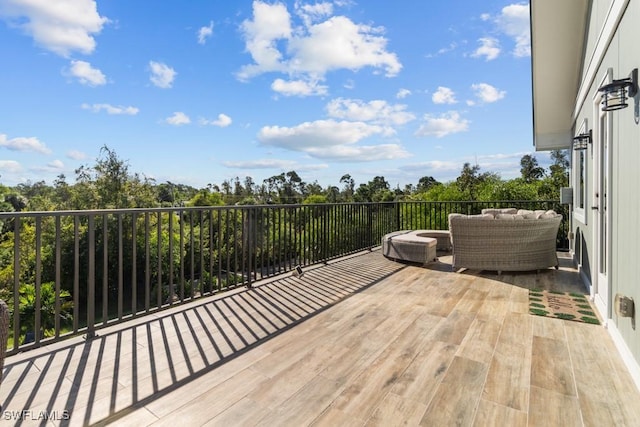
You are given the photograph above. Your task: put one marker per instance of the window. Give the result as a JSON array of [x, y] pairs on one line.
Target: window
[[580, 182], [582, 187]]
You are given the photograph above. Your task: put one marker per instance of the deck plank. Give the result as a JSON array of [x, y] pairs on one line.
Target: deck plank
[[359, 341], [492, 414], [453, 404], [551, 367], [510, 371], [549, 408]]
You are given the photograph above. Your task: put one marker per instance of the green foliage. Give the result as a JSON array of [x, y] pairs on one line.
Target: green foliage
[[5, 206], [376, 190], [471, 179], [27, 308], [315, 199], [248, 201], [515, 189], [559, 176], [349, 186], [108, 185], [443, 192], [162, 260], [206, 198], [425, 183], [529, 169]]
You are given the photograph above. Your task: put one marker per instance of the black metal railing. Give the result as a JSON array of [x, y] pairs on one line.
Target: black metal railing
[[71, 272]]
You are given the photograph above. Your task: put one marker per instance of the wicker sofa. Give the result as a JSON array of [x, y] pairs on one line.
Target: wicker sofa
[[505, 240]]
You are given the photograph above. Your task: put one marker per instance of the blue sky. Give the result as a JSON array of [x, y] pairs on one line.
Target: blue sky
[[198, 92]]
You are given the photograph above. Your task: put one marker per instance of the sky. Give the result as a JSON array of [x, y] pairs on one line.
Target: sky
[[197, 92]]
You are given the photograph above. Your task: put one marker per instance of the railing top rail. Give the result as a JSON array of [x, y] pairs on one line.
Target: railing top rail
[[166, 209], [478, 201], [245, 207]]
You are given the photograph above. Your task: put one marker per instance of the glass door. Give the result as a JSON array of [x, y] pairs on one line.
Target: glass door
[[600, 209]]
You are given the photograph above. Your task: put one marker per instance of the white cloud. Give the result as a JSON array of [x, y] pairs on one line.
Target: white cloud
[[321, 133], [403, 93], [313, 12], [452, 46], [443, 95], [298, 88], [60, 26], [376, 111], [10, 166], [313, 48], [514, 22], [445, 124], [86, 74], [111, 109], [23, 144], [261, 164], [270, 23], [355, 153], [205, 32], [330, 139], [487, 93], [312, 167], [429, 167], [178, 119], [76, 155], [506, 165], [54, 166], [489, 48], [222, 121], [162, 75], [340, 43]]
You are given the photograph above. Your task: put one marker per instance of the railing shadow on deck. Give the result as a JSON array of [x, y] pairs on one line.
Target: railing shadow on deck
[[104, 378]]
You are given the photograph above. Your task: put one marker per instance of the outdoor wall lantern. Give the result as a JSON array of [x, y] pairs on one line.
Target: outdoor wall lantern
[[580, 142], [615, 94]]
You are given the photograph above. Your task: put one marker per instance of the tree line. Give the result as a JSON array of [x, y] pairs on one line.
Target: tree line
[[110, 184]]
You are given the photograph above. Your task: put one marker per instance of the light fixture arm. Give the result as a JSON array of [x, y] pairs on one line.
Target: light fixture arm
[[632, 89], [633, 93]]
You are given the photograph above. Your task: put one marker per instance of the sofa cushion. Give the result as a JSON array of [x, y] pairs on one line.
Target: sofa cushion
[[509, 216], [548, 214], [481, 216], [537, 214], [496, 212]]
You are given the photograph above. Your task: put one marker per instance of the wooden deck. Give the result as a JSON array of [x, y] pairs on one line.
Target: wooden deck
[[360, 341]]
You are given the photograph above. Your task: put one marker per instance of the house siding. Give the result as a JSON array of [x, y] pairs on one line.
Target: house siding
[[622, 55], [626, 167]]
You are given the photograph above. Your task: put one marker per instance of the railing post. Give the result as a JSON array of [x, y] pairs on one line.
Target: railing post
[[91, 283], [370, 222], [248, 238], [16, 283]]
